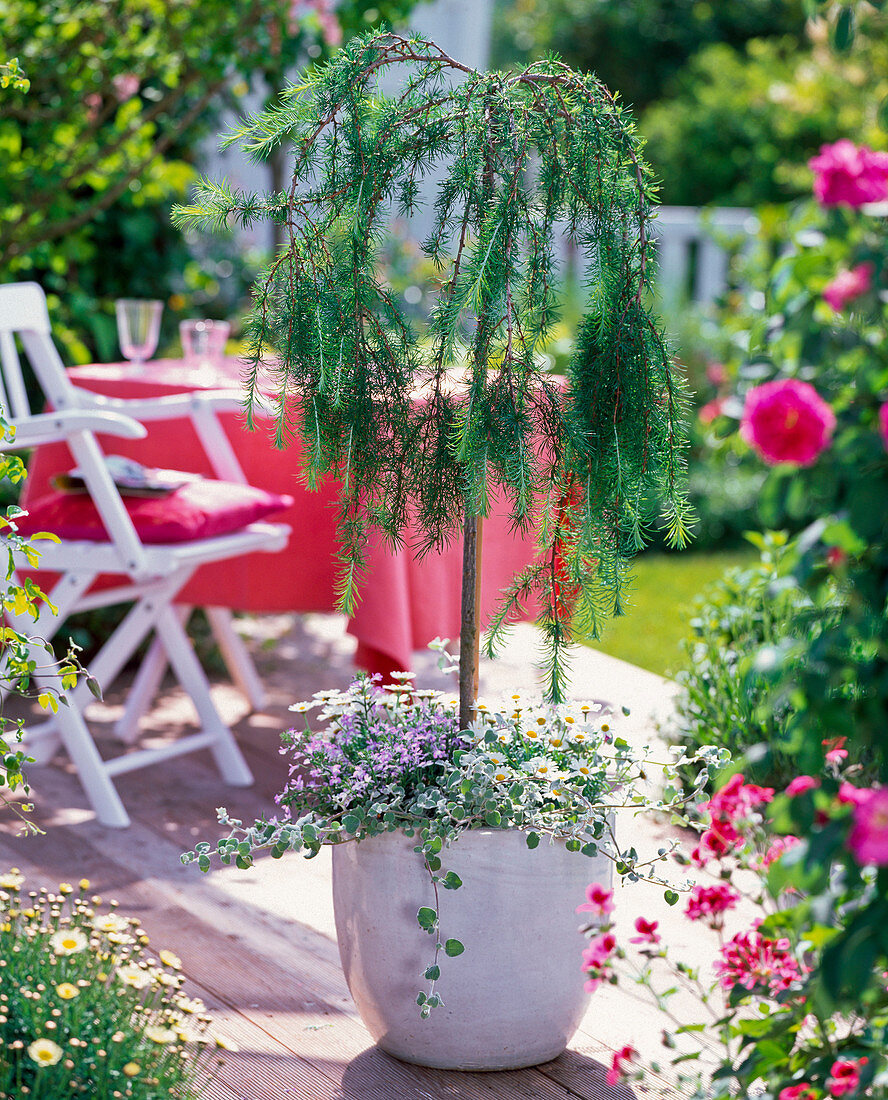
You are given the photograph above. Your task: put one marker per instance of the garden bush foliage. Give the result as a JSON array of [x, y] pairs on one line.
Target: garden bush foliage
[[106, 138], [721, 698]]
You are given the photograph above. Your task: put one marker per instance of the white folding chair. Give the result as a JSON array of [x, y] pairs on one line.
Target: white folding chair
[[152, 575]]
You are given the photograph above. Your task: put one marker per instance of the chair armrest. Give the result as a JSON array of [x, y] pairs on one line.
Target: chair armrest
[[55, 427], [169, 407]]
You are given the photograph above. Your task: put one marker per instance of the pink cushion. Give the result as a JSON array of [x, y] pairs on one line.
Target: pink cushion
[[198, 510]]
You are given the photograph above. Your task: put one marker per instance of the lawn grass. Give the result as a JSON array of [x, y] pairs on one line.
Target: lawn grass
[[659, 606]]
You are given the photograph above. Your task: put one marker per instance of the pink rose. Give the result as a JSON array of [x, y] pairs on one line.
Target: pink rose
[[868, 840], [716, 373], [883, 424], [787, 421], [800, 784], [848, 285], [849, 174]]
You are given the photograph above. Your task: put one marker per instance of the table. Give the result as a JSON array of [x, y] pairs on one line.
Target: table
[[404, 603]]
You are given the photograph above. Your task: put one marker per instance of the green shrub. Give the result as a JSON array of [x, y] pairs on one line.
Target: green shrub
[[739, 126], [720, 701]]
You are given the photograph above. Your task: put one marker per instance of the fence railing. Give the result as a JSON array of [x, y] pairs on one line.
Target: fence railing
[[694, 249]]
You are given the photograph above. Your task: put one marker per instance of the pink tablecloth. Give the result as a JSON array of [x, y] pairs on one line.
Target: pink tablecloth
[[405, 603]]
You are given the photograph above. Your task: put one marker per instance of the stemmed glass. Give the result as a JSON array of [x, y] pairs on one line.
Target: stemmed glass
[[138, 328]]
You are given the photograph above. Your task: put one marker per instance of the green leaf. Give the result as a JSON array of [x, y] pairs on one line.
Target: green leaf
[[882, 114], [451, 881], [351, 823], [670, 897], [842, 34], [533, 840], [453, 948], [433, 973], [427, 918]]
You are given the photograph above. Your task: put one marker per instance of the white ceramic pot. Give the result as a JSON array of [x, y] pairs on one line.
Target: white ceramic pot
[[515, 996]]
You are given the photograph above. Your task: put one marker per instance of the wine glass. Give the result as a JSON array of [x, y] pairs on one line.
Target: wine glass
[[138, 327], [203, 346]]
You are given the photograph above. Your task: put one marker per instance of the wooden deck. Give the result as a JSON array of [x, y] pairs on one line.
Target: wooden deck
[[272, 981]]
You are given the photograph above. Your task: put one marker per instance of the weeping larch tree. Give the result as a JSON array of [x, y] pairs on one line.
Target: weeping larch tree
[[420, 427]]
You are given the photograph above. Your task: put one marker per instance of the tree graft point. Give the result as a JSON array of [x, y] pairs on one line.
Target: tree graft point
[[422, 423]]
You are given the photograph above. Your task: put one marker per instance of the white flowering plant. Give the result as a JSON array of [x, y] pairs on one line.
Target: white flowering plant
[[86, 1009], [391, 757]]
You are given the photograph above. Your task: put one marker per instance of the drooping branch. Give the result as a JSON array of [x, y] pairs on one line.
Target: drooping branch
[[424, 423]]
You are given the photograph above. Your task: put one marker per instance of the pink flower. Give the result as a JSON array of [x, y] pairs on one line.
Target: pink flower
[[800, 784], [596, 960], [125, 86], [735, 801], [787, 421], [598, 900], [845, 1076], [647, 930], [835, 746], [849, 174], [620, 1064], [737, 798], [752, 961], [599, 950], [711, 902], [849, 795], [780, 845], [711, 410], [868, 839], [883, 424], [716, 373], [848, 285], [802, 1091]]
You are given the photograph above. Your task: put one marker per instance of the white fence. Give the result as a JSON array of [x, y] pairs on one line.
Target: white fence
[[694, 248]]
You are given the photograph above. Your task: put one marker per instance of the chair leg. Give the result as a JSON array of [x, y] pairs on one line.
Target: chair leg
[[94, 779], [229, 759], [234, 652]]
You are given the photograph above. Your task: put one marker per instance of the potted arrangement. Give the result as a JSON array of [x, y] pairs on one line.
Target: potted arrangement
[[423, 426]]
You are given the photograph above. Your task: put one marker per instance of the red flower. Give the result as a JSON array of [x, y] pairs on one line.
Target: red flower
[[752, 961], [848, 285], [849, 174], [801, 1091], [787, 421], [648, 931], [711, 901], [800, 784], [598, 900], [778, 847], [845, 1076], [620, 1064], [835, 746]]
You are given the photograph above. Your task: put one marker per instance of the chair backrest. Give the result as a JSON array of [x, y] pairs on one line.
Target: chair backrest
[[23, 313]]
